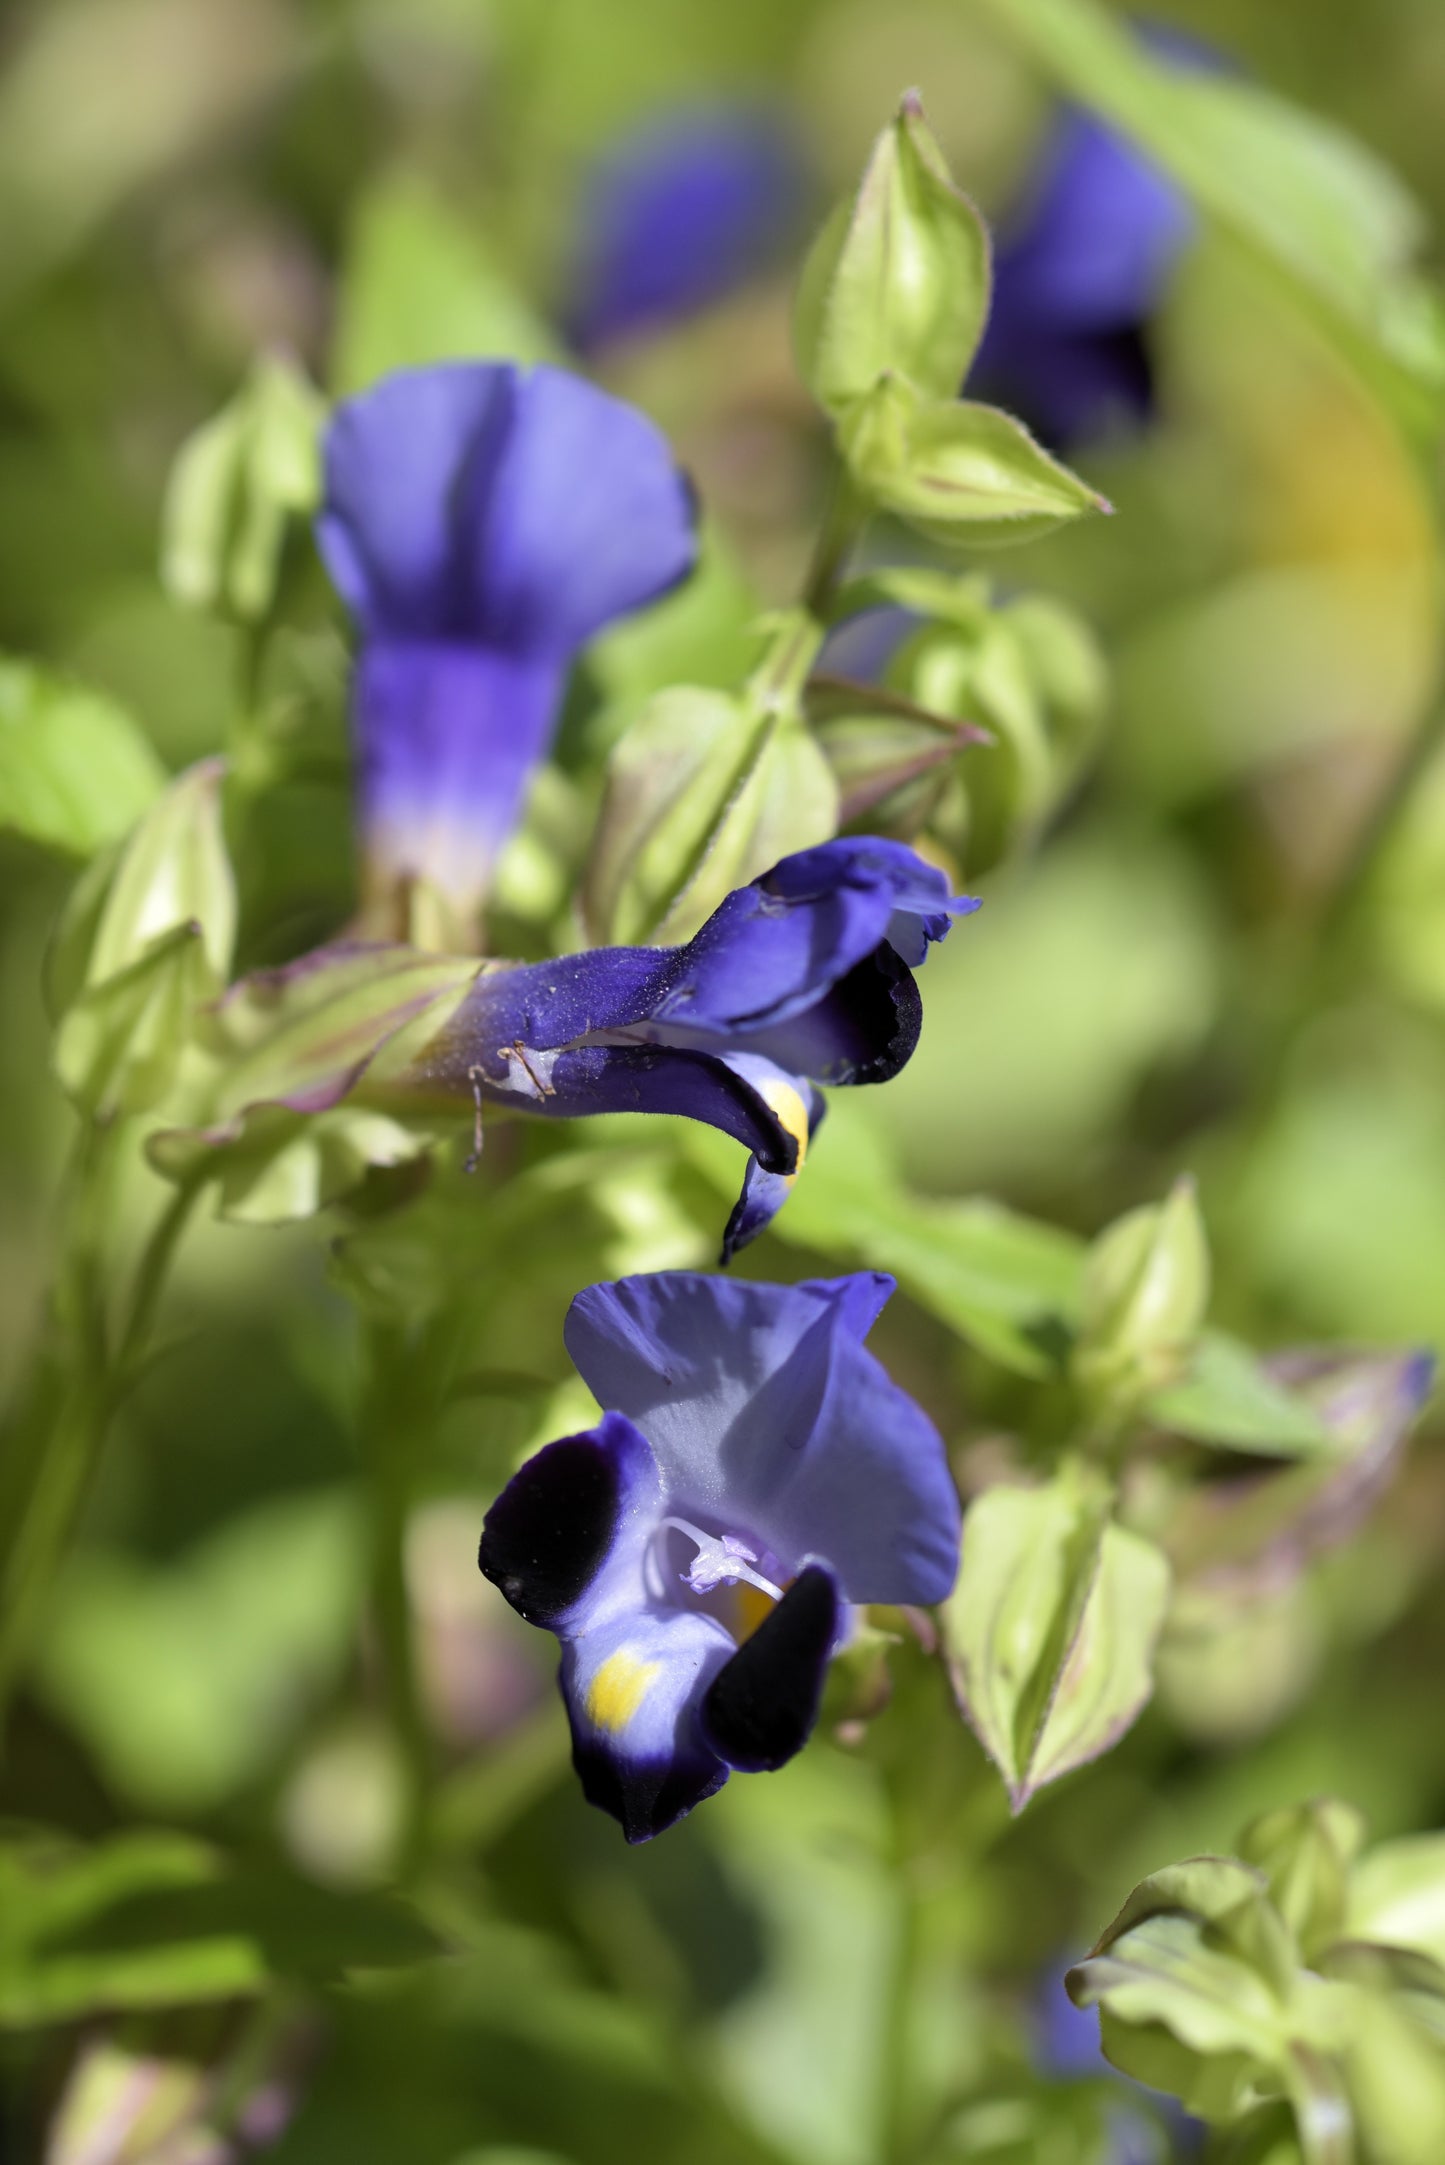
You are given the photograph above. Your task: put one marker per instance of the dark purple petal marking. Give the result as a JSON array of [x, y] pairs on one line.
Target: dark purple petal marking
[[760, 1708], [647, 1796], [549, 1532]]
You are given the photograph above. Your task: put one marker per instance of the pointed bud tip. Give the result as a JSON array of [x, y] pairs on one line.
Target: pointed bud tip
[[910, 105]]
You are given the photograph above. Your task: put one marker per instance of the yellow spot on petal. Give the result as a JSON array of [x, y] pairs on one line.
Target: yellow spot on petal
[[787, 1107], [618, 1690]]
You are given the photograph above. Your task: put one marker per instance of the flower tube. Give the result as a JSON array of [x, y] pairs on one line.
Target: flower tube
[[481, 522]]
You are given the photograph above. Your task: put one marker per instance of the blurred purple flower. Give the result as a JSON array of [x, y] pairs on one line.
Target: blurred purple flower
[[755, 1473], [482, 522], [1079, 270], [681, 213]]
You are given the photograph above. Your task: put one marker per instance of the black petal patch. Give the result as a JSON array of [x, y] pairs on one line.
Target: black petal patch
[[550, 1528], [890, 1008], [762, 1704], [647, 1796]]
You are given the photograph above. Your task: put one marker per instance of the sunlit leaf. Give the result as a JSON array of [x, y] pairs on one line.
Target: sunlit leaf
[[1050, 1631], [75, 770], [1229, 1398], [162, 1920]]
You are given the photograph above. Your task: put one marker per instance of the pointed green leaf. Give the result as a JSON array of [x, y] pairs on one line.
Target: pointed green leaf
[[1397, 1895], [76, 771], [1305, 1852], [1003, 1281], [963, 474], [162, 1920], [1051, 1629], [1229, 1398]]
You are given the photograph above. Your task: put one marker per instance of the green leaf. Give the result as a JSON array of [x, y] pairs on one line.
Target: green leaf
[[185, 1680], [898, 281], [1397, 1895], [703, 793], [1228, 1398], [1319, 210], [964, 474], [1305, 1852], [161, 1920], [419, 285], [1193, 1981], [1003, 1281], [76, 771], [1051, 1629]]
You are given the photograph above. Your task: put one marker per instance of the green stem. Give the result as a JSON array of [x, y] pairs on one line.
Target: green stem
[[842, 528], [81, 1381], [394, 1410]]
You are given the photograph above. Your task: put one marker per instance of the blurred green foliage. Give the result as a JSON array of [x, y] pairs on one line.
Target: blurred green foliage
[[1203, 955]]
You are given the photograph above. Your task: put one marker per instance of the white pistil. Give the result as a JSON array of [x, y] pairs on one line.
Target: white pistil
[[719, 1559]]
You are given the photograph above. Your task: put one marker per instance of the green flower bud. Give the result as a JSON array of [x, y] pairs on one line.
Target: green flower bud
[[146, 940], [236, 486], [898, 281], [1305, 1852], [705, 791], [962, 474], [1145, 1295]]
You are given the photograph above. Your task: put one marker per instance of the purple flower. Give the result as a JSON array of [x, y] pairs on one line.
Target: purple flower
[[755, 1475], [801, 978], [1078, 273], [680, 214], [482, 522]]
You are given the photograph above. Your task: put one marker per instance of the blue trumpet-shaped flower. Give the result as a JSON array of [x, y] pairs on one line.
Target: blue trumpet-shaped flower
[[755, 1475], [804, 977], [1077, 275], [680, 214], [482, 522]]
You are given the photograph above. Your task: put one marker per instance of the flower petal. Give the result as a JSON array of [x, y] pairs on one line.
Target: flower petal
[[764, 1408], [397, 460], [759, 1709], [633, 1688], [680, 213], [773, 948], [578, 1512], [447, 737], [586, 517], [801, 1109]]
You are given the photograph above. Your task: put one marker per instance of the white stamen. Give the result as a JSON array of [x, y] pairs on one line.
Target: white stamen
[[719, 1560]]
